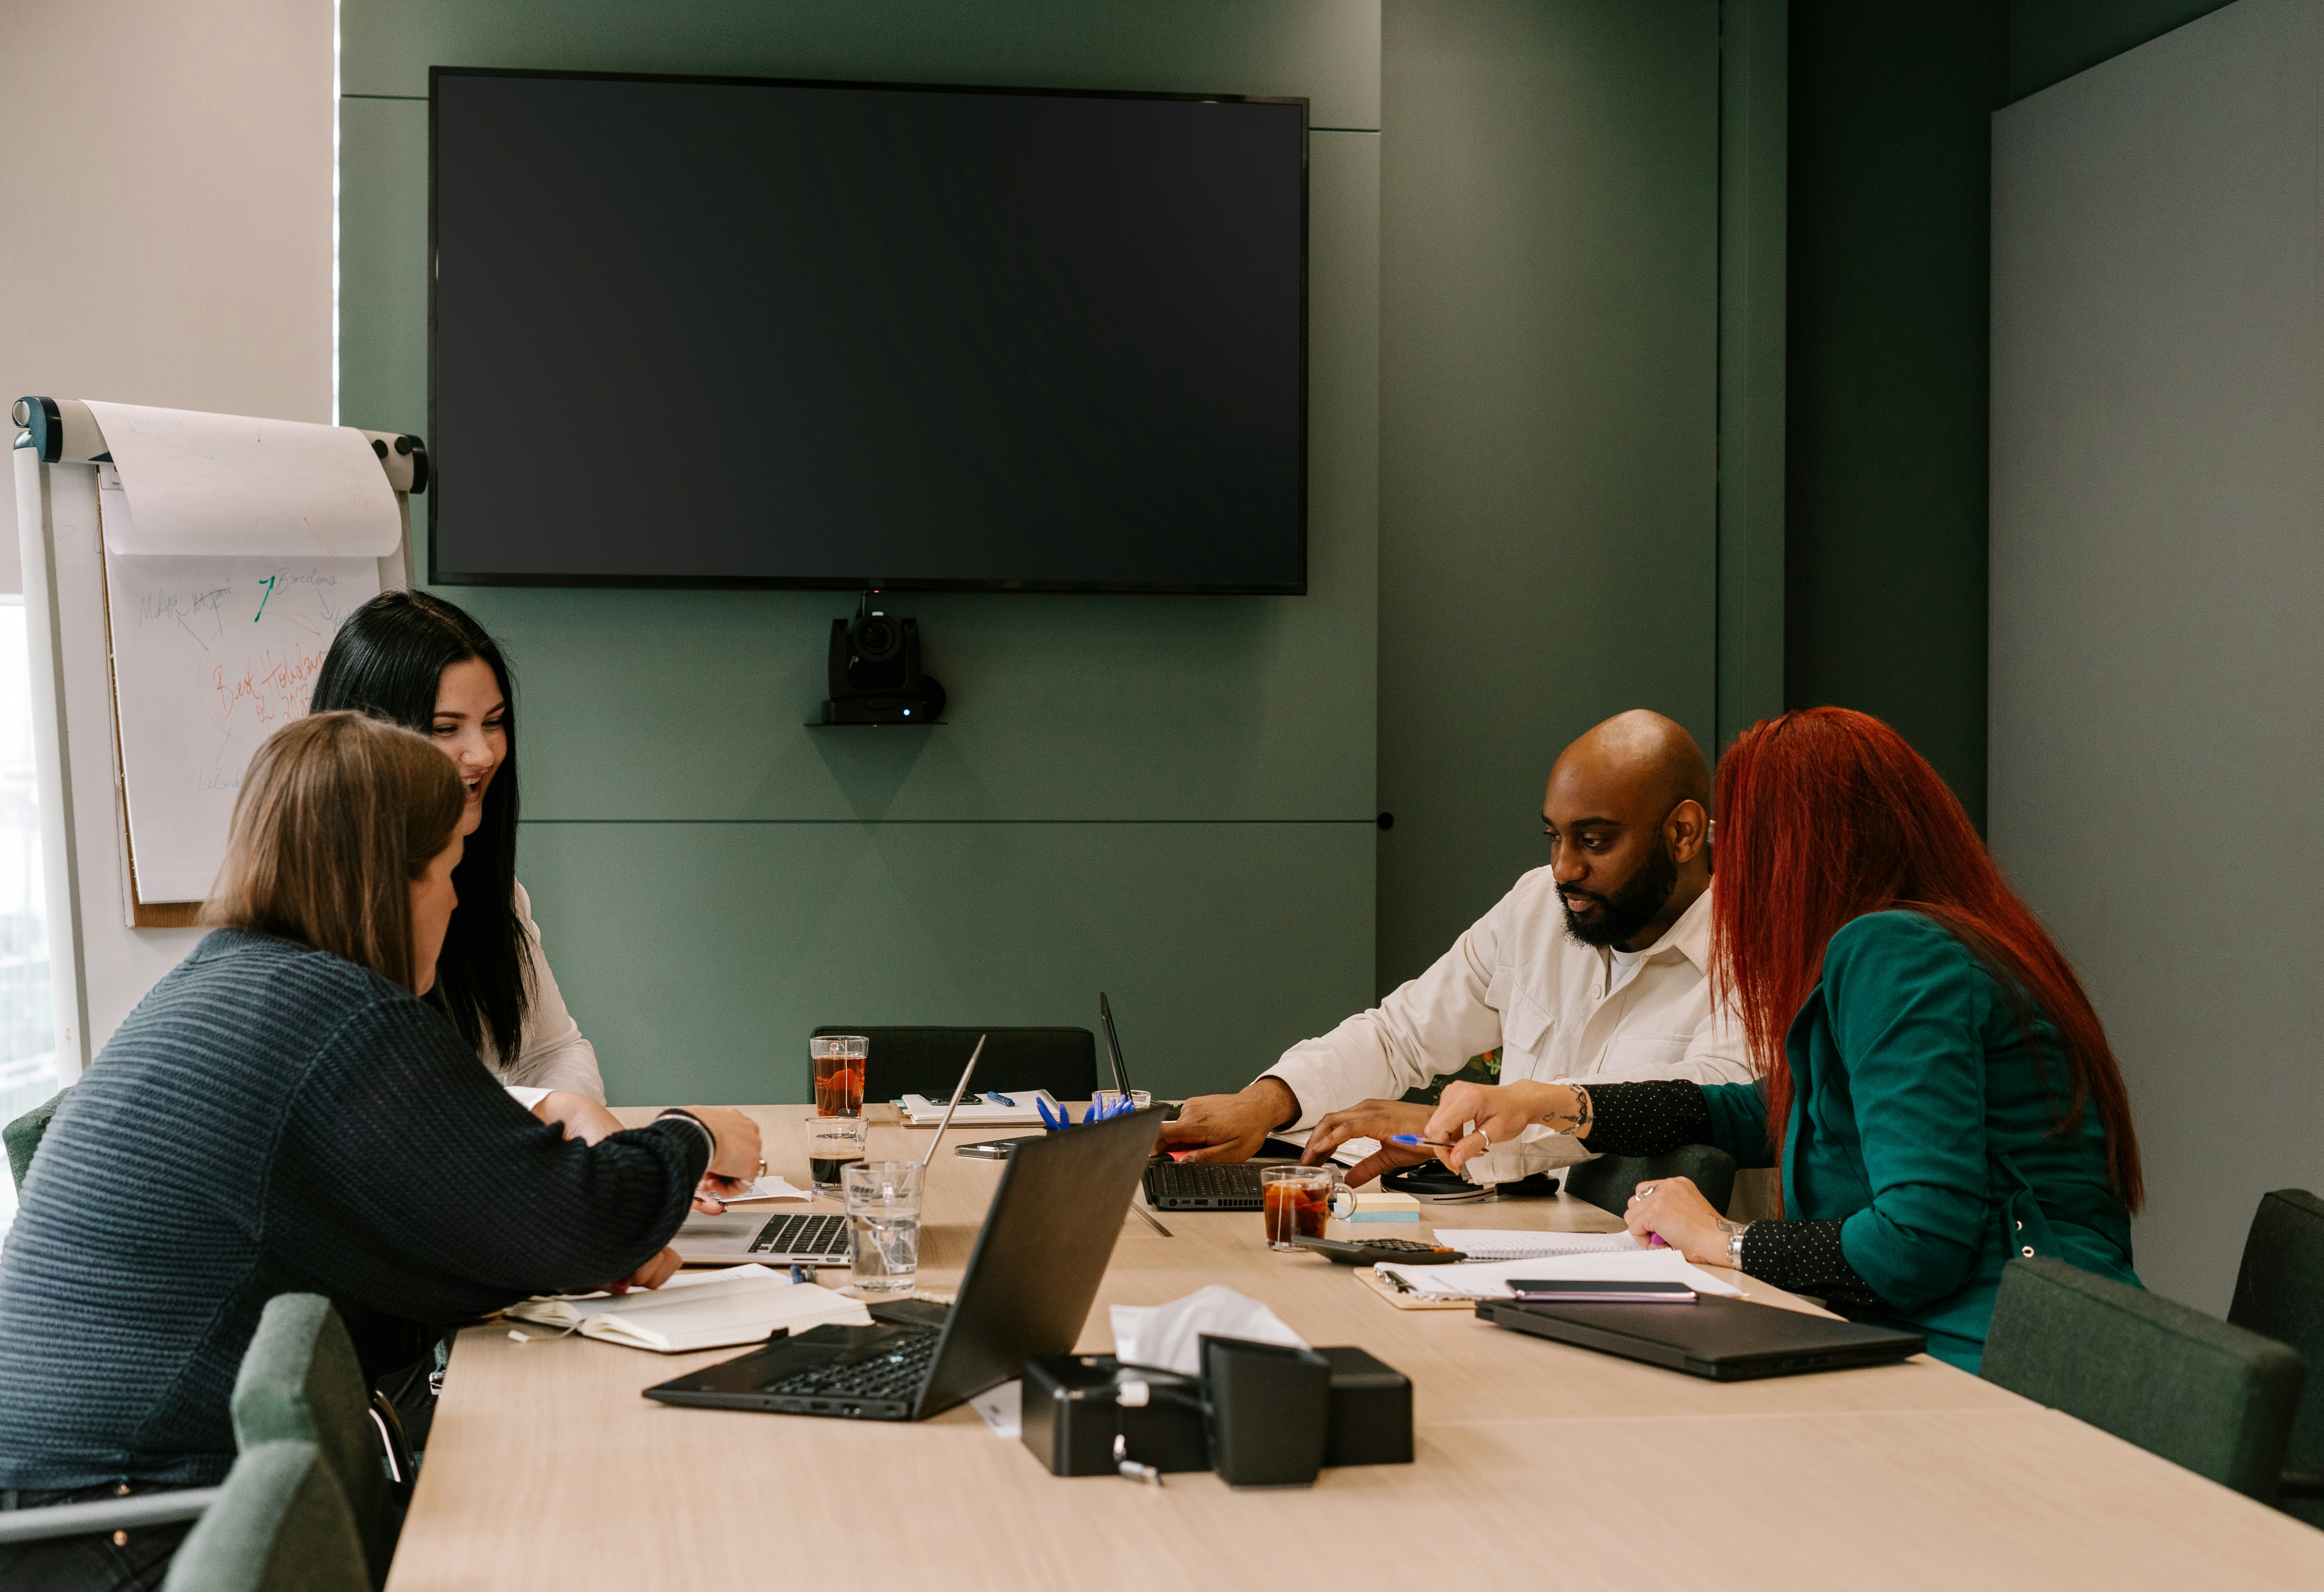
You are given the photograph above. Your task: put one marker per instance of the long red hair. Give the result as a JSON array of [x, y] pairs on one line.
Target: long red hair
[[1826, 815]]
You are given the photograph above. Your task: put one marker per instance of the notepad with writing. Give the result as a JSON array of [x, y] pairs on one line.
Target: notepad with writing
[[741, 1304]]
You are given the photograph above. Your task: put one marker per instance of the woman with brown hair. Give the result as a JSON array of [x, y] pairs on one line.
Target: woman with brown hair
[[284, 1113], [1934, 1083]]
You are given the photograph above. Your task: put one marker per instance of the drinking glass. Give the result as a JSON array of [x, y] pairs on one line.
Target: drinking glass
[[838, 1063], [833, 1144], [1297, 1201], [1105, 1101], [883, 1226]]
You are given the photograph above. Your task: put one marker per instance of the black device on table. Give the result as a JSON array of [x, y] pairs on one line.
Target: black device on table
[[1044, 1246], [1724, 1340], [1201, 1185], [1381, 1251]]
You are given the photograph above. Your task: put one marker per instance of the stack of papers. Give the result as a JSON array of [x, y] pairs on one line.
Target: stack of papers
[[768, 1187], [1492, 1244], [920, 1111], [1492, 1280], [700, 1309]]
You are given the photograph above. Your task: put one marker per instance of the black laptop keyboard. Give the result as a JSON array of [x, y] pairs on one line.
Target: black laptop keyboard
[[1232, 1183], [896, 1375], [802, 1235]]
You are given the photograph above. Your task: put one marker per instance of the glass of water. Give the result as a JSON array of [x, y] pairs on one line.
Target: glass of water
[[883, 1226]]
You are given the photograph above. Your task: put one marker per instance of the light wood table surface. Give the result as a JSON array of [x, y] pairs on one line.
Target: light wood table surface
[[1536, 1463]]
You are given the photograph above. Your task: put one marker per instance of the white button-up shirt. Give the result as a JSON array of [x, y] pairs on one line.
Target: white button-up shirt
[[1558, 1010]]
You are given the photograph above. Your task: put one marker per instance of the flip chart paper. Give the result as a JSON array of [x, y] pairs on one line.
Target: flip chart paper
[[211, 655], [237, 484]]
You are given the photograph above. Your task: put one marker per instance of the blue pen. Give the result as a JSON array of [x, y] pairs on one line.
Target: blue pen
[[1418, 1143], [1000, 1100]]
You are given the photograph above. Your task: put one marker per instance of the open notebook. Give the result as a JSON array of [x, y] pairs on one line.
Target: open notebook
[[707, 1309]]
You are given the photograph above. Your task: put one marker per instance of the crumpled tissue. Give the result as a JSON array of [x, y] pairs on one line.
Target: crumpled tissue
[[1169, 1337]]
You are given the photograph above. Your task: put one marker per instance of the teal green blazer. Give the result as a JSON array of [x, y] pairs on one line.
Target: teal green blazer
[[1920, 1118]]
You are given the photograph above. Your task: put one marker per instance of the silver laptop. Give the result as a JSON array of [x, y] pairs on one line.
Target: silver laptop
[[792, 1236]]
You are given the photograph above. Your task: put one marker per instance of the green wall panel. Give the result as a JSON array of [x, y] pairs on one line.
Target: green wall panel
[[1549, 407], [697, 958], [674, 708]]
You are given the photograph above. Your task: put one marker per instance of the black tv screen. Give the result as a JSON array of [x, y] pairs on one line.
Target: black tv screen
[[700, 331]]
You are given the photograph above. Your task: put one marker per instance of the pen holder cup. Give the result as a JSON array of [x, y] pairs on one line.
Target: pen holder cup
[[1270, 1408]]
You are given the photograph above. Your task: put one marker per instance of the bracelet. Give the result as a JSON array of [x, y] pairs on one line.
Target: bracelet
[[685, 1116], [1580, 1120]]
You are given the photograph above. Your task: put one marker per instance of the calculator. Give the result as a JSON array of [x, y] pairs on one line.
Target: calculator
[[1377, 1251]]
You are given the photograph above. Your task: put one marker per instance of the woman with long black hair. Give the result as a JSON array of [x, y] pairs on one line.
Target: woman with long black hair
[[423, 663]]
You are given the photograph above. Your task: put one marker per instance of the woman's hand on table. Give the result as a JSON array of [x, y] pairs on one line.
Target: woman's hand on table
[[1674, 1208], [1472, 1118], [580, 1117], [652, 1275], [1372, 1119]]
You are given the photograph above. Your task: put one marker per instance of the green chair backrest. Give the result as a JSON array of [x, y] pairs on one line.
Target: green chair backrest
[[1608, 1182], [2200, 1392], [280, 1524], [927, 1061], [2280, 1294], [300, 1381], [22, 1137]]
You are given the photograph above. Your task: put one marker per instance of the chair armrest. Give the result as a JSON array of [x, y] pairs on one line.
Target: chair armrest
[[105, 1514], [2300, 1484]]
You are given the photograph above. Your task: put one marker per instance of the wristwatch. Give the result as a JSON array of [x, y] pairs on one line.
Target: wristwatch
[[1735, 1246]]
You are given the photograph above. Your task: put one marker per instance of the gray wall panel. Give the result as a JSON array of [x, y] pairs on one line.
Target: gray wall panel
[[2158, 400]]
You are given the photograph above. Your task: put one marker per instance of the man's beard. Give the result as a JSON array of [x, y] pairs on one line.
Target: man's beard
[[1623, 913]]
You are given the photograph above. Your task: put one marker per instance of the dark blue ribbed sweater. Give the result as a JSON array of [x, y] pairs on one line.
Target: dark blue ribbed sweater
[[273, 1119]]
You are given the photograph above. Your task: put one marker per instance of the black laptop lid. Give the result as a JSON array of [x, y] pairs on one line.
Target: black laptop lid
[[1041, 1253], [1726, 1339]]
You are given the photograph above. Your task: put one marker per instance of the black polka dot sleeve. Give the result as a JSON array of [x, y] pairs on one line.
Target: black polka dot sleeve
[[1648, 1119], [1805, 1257]]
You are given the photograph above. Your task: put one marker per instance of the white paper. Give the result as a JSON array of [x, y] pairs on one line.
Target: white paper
[[1491, 1244], [770, 1187], [1169, 1337], [920, 1111], [1003, 1409], [741, 1304], [1492, 1280], [211, 655], [239, 485]]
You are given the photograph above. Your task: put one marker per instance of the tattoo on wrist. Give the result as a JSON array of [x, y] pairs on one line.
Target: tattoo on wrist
[[1729, 1227], [1576, 1120]]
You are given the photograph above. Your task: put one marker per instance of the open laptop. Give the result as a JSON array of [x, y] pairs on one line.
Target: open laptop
[[1038, 1258], [1202, 1185], [788, 1238], [1725, 1339]]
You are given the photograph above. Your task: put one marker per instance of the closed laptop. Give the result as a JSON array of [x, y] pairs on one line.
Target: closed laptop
[[1725, 1339]]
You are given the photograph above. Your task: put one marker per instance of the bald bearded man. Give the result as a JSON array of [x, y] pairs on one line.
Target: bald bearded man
[[1591, 970]]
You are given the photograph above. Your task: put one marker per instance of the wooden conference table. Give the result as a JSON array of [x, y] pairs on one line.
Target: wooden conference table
[[1537, 1464]]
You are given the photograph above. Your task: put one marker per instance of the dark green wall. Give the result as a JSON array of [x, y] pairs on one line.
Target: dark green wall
[[1885, 469], [1549, 305], [2051, 40]]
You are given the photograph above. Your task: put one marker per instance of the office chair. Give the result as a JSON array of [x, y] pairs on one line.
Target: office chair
[[22, 1137], [2215, 1398], [280, 1525], [927, 1061], [2280, 1294], [301, 1382], [1608, 1182]]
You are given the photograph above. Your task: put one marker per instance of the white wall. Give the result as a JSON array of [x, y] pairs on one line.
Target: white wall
[[165, 207], [2157, 729]]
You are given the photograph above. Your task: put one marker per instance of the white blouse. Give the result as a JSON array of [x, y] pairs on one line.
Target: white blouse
[[551, 1054]]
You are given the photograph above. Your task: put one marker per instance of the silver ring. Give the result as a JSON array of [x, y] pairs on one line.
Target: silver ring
[[1488, 1138], [1644, 1189]]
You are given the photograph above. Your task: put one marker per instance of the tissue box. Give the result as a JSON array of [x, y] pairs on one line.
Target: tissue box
[[1071, 1415]]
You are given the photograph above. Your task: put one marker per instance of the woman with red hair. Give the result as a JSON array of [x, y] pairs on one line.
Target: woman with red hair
[[1933, 1083]]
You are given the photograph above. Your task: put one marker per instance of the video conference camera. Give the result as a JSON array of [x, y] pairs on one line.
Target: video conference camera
[[875, 671]]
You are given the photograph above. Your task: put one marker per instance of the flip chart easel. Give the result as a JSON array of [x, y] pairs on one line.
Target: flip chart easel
[[109, 940]]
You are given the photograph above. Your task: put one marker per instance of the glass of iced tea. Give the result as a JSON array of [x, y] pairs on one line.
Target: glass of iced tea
[[838, 1063], [1297, 1201]]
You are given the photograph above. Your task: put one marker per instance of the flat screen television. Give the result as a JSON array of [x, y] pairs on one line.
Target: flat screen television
[[741, 332]]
